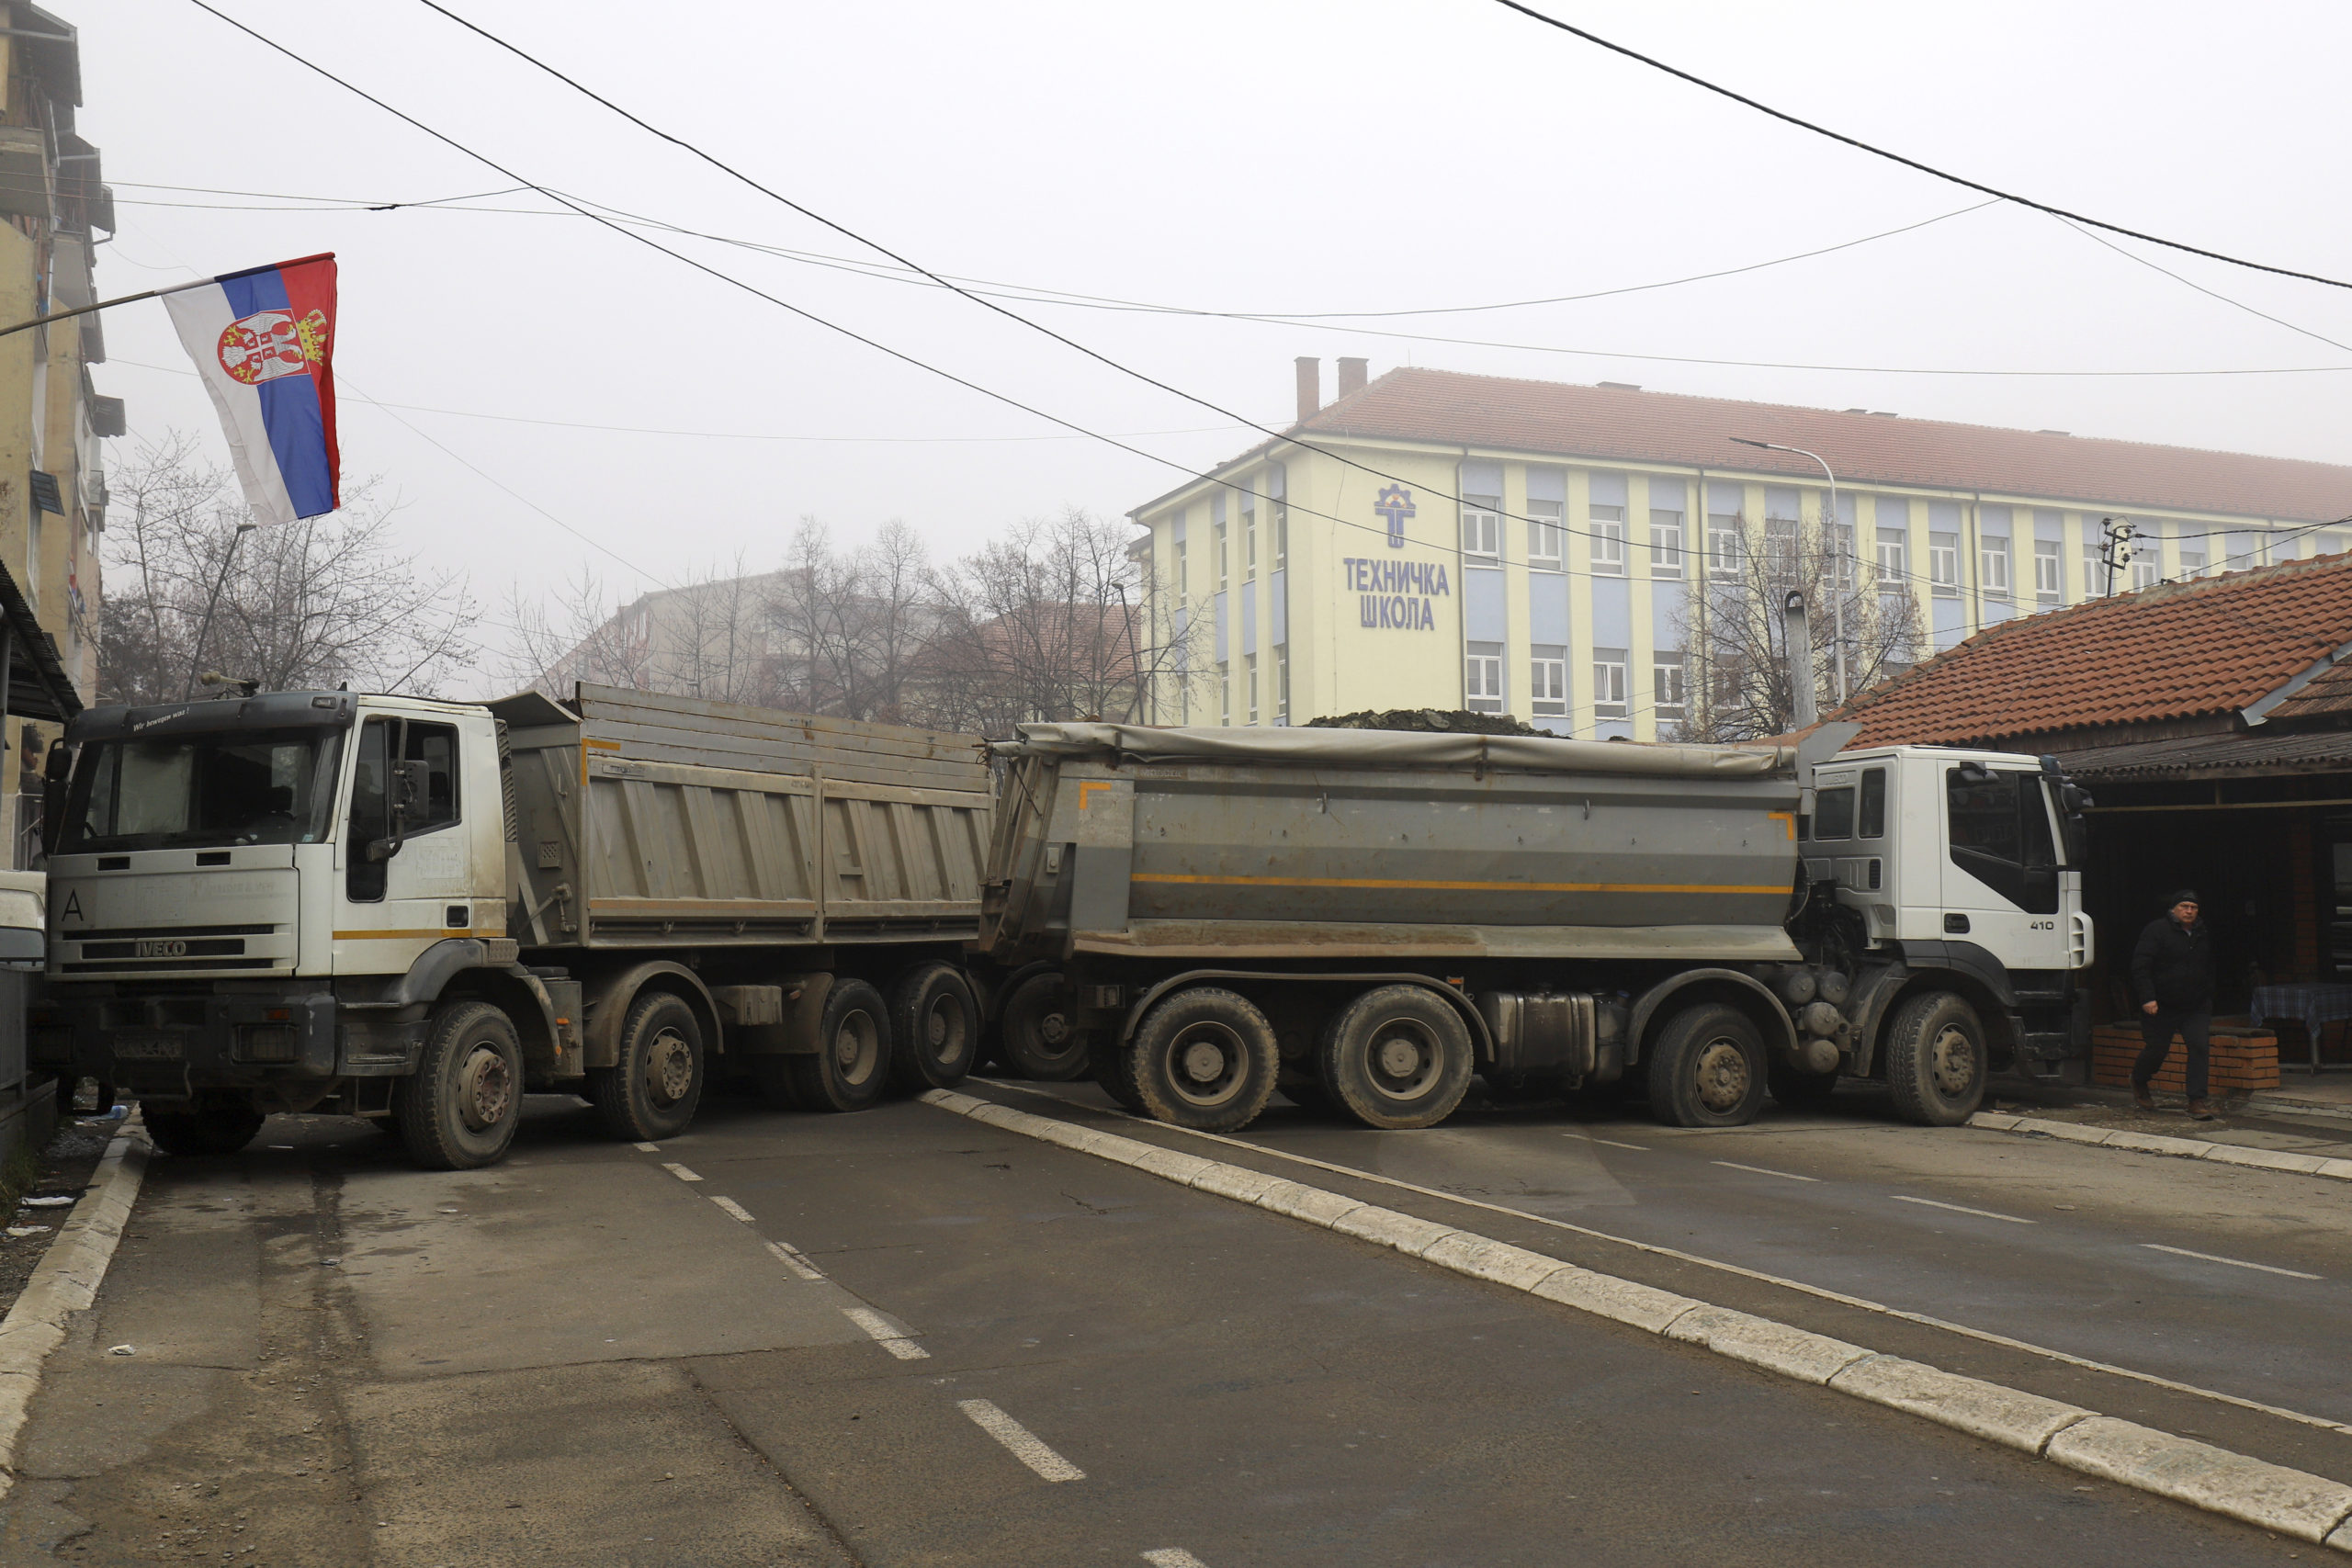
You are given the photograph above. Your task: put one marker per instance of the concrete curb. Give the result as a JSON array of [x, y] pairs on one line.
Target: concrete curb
[[2157, 1143], [2289, 1502], [65, 1281]]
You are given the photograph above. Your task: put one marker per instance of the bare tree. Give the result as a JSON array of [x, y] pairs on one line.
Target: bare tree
[[577, 637], [1733, 635], [306, 603]]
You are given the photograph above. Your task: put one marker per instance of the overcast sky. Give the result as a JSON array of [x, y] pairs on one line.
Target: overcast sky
[[1282, 156]]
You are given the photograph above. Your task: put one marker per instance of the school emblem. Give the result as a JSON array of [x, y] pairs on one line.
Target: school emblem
[[270, 344], [1395, 504]]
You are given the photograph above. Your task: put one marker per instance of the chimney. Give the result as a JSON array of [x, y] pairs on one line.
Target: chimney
[[1352, 376], [1311, 389]]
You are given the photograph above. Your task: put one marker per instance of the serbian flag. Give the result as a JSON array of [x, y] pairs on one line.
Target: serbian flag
[[261, 340]]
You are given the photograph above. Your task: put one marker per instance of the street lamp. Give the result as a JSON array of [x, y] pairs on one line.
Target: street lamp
[[1838, 573]]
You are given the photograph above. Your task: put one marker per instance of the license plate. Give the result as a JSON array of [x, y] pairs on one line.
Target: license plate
[[147, 1047]]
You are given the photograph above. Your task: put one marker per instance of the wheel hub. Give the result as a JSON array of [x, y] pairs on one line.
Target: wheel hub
[[1403, 1060], [1204, 1063], [485, 1089], [1054, 1028], [1400, 1056], [668, 1067], [1953, 1061], [936, 1027], [856, 1047], [1723, 1075]]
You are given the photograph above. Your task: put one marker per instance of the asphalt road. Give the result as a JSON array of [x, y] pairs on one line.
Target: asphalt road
[[904, 1337]]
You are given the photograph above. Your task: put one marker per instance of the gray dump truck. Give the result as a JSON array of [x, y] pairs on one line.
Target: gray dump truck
[[1368, 919], [415, 911]]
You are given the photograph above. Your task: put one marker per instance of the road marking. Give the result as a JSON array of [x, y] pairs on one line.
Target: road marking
[[1588, 1137], [736, 1208], [680, 1171], [1174, 1557], [2233, 1262], [1821, 1292], [1022, 1444], [795, 1261], [648, 1148], [885, 1333], [1957, 1209], [1784, 1175]]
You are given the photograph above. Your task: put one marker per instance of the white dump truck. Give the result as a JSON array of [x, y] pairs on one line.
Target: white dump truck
[[1368, 919], [415, 911]]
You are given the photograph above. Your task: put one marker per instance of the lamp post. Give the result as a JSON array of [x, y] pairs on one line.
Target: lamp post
[[1837, 571], [204, 629]]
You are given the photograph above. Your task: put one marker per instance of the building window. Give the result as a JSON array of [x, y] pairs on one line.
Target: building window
[[1609, 683], [2145, 565], [1666, 684], [1943, 564], [1221, 568], [1224, 694], [2046, 583], [1545, 536], [1482, 677], [2192, 563], [1249, 545], [1723, 544], [1249, 671], [1281, 684], [1482, 525], [1548, 679], [1780, 547], [1608, 540], [1893, 552], [2094, 569], [1282, 536], [1666, 543], [1993, 565], [1184, 582], [1839, 538]]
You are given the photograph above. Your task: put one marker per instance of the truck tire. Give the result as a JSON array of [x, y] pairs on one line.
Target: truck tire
[[1707, 1069], [1204, 1058], [1936, 1060], [1041, 1039], [851, 1066], [459, 1109], [1398, 1056], [653, 1091], [935, 1024], [1113, 1071], [207, 1127], [1796, 1089]]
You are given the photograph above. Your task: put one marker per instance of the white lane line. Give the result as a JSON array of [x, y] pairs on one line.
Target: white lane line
[[2233, 1262], [1020, 1441], [736, 1208], [1822, 1293], [1174, 1557], [1760, 1171], [648, 1148], [795, 1261], [680, 1171], [1958, 1208], [1588, 1137], [885, 1333]]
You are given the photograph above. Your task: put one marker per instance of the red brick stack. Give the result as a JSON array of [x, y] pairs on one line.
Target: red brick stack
[[2244, 1056]]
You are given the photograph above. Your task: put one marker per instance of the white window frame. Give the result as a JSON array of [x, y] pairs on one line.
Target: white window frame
[[1482, 677], [1666, 543], [1894, 554], [1281, 683], [1249, 671], [1668, 696], [2049, 569], [2147, 567], [1839, 540], [1548, 680], [1608, 528], [1224, 692], [1784, 545], [1482, 527], [1993, 567], [1546, 536], [1724, 543], [1282, 536], [1224, 571], [1943, 565], [2192, 564], [1609, 699]]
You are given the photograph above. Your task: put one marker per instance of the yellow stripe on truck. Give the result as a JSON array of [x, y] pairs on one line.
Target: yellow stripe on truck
[[1385, 882]]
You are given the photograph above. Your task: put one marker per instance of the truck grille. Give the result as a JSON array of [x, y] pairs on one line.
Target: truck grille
[[174, 949]]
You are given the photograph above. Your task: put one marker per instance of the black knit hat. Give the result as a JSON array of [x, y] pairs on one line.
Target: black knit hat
[[2185, 896]]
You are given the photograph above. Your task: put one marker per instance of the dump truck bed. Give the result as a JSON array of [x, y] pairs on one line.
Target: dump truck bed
[[642, 820], [1327, 844]]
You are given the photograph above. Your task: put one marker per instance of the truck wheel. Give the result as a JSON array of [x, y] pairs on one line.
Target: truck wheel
[[1707, 1069], [1204, 1058], [935, 1024], [1113, 1070], [208, 1127], [1936, 1060], [1041, 1035], [459, 1109], [852, 1062], [1398, 1056], [1796, 1090], [652, 1090]]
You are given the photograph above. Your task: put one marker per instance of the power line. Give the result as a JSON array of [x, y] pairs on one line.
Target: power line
[[1876, 152], [2208, 293]]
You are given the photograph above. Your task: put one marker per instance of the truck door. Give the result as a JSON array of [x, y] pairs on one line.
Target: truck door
[[2001, 871], [407, 883]]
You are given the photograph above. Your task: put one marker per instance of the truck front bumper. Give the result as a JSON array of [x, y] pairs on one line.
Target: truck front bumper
[[167, 1046]]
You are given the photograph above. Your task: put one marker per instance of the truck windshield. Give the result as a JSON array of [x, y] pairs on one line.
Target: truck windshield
[[200, 791]]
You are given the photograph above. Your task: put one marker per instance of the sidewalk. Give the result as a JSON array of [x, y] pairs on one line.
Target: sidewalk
[[2305, 1116]]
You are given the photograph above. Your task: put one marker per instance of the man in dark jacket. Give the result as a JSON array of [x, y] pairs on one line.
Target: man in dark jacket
[[2172, 976]]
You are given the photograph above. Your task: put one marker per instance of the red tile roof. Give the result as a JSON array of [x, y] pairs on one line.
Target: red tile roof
[[1659, 427], [2175, 651]]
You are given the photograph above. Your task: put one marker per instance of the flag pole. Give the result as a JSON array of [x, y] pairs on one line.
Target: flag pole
[[104, 305], [204, 629]]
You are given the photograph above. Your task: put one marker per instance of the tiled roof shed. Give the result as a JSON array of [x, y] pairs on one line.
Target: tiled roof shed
[[2177, 651], [1552, 417]]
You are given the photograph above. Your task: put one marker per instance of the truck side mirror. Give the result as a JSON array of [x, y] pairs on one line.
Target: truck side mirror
[[55, 770], [407, 784]]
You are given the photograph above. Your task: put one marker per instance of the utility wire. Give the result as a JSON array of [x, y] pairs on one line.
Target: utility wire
[[1783, 115], [2208, 293]]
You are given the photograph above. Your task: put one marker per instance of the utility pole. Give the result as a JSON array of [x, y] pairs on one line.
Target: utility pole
[[2117, 533]]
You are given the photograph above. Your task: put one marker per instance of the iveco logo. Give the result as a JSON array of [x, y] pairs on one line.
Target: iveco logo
[[163, 950]]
